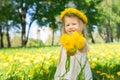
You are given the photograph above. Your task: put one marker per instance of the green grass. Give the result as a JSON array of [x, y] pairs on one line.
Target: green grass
[[39, 63]]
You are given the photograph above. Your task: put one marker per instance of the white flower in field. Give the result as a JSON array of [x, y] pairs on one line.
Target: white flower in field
[[21, 60], [46, 62], [36, 61], [102, 54], [5, 64], [94, 59], [40, 58]]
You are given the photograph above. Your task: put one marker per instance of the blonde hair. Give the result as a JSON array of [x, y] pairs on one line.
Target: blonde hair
[[85, 49]]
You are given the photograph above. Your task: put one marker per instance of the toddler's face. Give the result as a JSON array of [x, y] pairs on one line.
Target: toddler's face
[[72, 24]]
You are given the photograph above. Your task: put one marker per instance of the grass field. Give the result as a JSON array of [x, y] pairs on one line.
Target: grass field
[[40, 63]]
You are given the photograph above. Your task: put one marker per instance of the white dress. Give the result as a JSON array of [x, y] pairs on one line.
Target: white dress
[[76, 63]]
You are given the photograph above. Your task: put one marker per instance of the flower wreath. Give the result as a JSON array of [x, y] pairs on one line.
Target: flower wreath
[[78, 13]]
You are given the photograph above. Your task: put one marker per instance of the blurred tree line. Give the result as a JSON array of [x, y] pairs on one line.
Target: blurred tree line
[[105, 14]]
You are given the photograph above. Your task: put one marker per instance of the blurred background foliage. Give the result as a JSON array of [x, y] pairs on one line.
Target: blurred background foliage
[[103, 15]]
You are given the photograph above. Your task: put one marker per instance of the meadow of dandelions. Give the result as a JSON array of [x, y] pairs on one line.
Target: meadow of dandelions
[[40, 63]]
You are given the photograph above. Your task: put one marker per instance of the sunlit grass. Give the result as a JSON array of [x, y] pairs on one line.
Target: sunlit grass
[[40, 63]]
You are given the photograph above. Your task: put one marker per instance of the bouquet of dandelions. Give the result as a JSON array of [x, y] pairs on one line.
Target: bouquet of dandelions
[[72, 43]]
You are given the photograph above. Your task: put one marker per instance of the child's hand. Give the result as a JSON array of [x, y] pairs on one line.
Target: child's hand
[[71, 52]]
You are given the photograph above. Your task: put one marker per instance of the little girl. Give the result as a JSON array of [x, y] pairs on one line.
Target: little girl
[[79, 68]]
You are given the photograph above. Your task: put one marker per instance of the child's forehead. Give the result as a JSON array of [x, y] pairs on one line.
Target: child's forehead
[[72, 18]]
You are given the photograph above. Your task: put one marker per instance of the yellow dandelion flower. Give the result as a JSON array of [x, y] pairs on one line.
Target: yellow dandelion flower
[[108, 76], [31, 73], [72, 42], [46, 71], [79, 40], [118, 73], [92, 66], [112, 76], [103, 74], [71, 52], [68, 43], [64, 37], [98, 72]]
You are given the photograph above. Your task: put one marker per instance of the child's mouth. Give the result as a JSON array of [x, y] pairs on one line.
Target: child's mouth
[[71, 31]]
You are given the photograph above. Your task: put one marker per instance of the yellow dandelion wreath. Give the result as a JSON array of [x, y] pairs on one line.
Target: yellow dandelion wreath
[[78, 13]]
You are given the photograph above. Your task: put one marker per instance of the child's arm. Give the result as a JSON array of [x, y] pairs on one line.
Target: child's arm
[[85, 48], [59, 58], [60, 55]]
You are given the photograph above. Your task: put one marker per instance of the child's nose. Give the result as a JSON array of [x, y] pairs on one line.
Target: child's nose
[[71, 27]]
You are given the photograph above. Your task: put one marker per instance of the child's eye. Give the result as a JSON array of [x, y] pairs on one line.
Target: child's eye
[[67, 25], [74, 24]]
